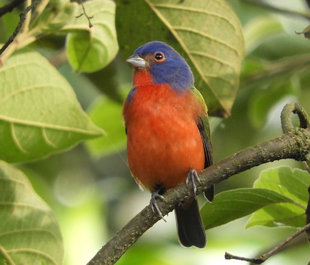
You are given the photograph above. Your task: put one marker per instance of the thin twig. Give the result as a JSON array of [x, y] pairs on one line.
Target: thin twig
[[85, 14], [278, 9], [270, 253], [9, 7]]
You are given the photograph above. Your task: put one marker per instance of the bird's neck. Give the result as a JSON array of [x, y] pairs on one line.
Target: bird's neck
[[142, 77]]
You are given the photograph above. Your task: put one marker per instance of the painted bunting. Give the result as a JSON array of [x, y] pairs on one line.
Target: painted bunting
[[168, 138]]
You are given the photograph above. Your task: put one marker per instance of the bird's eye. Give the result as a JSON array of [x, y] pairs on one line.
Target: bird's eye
[[159, 57]]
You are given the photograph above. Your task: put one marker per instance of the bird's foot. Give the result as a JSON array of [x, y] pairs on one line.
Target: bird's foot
[[192, 178], [153, 202]]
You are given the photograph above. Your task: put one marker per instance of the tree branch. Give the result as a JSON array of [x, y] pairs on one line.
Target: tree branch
[[270, 253], [294, 144], [278, 9]]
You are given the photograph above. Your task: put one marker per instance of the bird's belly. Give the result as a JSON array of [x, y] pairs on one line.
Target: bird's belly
[[162, 149]]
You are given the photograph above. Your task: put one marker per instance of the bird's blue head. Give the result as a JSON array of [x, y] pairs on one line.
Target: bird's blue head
[[164, 63]]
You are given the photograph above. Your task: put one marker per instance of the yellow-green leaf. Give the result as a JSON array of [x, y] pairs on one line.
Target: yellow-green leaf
[[29, 233], [89, 49], [39, 112]]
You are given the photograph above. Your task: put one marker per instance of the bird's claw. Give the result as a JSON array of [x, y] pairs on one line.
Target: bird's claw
[[192, 178], [153, 202]]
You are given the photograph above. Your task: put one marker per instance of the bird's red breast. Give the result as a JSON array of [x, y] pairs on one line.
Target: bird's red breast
[[163, 142]]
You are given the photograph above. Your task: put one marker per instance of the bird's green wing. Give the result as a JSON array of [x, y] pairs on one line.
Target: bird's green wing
[[204, 129]]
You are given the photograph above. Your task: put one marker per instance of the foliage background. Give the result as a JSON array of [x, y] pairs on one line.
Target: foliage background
[[89, 187]]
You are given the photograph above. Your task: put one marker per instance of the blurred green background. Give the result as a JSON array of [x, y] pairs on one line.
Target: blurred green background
[[90, 188]]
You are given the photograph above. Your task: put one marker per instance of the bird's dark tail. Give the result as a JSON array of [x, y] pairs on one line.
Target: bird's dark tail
[[190, 228]]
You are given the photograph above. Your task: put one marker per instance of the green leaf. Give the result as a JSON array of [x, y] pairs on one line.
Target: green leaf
[[293, 184], [89, 49], [29, 233], [260, 29], [206, 32], [39, 112], [233, 204], [107, 114], [262, 100], [281, 214], [55, 16]]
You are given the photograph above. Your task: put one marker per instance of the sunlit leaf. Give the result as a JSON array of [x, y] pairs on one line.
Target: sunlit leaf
[[29, 233], [39, 112], [293, 184], [206, 32], [234, 204], [92, 48]]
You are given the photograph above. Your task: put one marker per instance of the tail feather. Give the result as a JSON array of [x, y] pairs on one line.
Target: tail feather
[[190, 228], [209, 193]]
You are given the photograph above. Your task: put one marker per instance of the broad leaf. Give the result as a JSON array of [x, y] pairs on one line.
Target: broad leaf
[[39, 112], [281, 214], [206, 32], [234, 204], [29, 233], [293, 184], [107, 113], [92, 48]]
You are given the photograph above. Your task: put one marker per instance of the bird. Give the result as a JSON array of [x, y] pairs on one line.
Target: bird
[[168, 133]]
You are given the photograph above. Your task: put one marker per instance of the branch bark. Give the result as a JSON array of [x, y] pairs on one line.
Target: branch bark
[[294, 144]]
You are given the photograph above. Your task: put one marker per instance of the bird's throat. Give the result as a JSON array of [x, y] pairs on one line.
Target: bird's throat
[[142, 77]]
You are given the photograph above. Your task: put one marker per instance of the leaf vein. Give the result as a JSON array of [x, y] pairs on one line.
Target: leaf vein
[[46, 125], [21, 204], [208, 36], [203, 54], [217, 77], [16, 141], [24, 89], [191, 9], [47, 140], [7, 257], [40, 230], [33, 251]]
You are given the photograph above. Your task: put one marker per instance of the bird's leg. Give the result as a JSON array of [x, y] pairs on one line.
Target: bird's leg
[[157, 194], [192, 178]]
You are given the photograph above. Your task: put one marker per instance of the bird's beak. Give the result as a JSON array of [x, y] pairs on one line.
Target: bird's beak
[[136, 61]]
